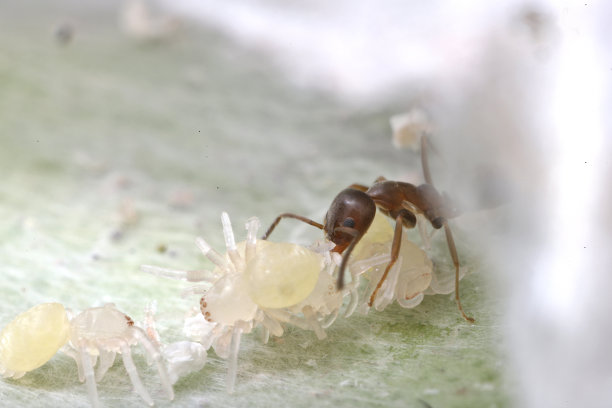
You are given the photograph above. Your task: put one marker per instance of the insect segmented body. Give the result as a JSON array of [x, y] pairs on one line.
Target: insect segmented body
[[259, 283], [409, 278], [32, 338], [93, 337]]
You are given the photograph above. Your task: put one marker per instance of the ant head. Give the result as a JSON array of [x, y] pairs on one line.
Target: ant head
[[349, 216]]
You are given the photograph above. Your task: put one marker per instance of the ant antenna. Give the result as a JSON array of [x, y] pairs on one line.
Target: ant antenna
[[356, 237]]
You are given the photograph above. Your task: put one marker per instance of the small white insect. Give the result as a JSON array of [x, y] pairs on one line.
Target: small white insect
[[413, 274], [95, 335], [181, 357], [263, 283], [408, 280]]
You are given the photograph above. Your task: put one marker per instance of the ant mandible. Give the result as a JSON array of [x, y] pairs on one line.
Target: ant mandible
[[352, 211]]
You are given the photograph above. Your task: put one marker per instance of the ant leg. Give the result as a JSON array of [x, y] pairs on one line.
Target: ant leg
[[395, 247], [453, 251], [359, 187], [407, 205], [425, 160], [363, 188], [289, 215]]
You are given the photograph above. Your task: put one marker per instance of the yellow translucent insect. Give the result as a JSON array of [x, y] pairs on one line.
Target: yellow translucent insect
[[408, 279], [282, 274], [258, 282], [252, 275], [93, 337], [267, 275], [32, 338]]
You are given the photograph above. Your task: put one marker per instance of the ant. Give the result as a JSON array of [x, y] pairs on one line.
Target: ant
[[352, 211]]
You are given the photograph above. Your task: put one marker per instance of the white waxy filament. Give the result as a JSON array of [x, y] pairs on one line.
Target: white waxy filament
[[230, 242], [252, 225], [211, 254]]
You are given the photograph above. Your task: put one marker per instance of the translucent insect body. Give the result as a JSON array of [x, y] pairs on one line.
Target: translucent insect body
[[259, 283], [95, 335], [408, 279], [32, 338], [413, 275]]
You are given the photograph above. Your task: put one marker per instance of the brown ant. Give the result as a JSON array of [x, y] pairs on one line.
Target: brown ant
[[352, 211]]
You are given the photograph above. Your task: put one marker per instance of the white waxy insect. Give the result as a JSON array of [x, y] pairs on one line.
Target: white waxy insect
[[413, 274], [93, 336], [258, 282], [408, 279]]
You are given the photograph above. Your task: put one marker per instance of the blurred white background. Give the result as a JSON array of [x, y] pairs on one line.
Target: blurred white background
[[521, 89]]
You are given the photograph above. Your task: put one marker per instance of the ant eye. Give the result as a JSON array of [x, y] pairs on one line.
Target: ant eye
[[438, 222], [349, 222]]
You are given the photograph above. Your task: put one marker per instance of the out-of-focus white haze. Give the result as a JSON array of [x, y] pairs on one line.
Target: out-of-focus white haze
[[518, 92]]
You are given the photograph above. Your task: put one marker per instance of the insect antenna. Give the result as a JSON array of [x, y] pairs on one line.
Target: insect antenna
[[347, 252]]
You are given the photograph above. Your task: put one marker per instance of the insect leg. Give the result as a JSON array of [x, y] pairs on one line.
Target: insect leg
[[90, 379], [425, 160], [395, 247], [347, 252], [453, 251], [105, 361], [232, 369], [189, 276], [154, 354], [359, 187], [290, 215], [126, 355], [363, 188]]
